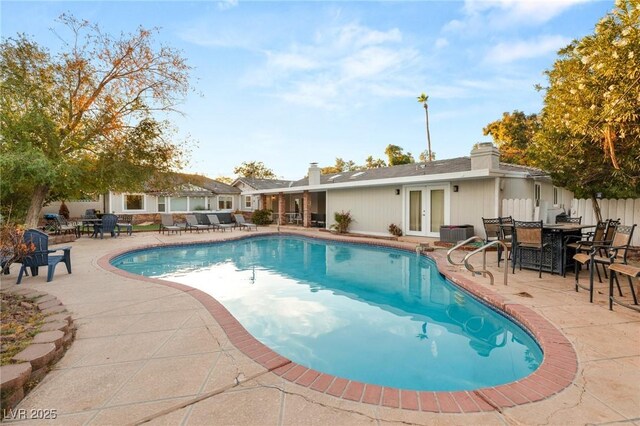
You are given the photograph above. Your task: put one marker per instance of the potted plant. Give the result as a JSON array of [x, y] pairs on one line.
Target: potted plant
[[343, 221]]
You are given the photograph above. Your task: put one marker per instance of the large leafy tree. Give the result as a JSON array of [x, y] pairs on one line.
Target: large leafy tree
[[85, 120], [254, 169], [513, 134], [374, 163], [590, 124], [397, 156]]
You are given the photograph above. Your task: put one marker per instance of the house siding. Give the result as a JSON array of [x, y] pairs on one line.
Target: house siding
[[474, 200], [373, 209]]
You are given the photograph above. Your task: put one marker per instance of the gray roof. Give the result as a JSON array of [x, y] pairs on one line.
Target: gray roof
[[266, 183], [209, 186], [453, 165]]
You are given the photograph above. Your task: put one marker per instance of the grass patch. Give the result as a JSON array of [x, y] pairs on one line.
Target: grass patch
[[143, 228], [20, 321]]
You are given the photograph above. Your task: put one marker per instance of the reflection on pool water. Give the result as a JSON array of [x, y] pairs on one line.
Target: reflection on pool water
[[375, 315]]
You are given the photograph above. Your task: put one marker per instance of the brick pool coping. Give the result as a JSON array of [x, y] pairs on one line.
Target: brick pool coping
[[556, 372]]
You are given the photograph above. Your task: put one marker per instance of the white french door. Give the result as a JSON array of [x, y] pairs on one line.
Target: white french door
[[427, 208]]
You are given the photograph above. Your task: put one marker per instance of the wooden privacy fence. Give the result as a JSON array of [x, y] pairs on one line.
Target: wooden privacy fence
[[627, 210]]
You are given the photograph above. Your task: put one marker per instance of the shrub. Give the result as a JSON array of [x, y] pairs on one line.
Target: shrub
[[395, 230], [261, 217], [343, 220], [64, 211]]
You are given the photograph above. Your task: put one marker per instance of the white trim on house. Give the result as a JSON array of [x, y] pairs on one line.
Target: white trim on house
[[124, 202]]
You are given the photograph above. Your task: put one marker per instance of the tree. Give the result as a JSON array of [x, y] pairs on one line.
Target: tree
[[397, 156], [425, 154], [84, 120], [255, 170], [370, 163], [513, 134], [590, 125], [340, 166], [423, 98]]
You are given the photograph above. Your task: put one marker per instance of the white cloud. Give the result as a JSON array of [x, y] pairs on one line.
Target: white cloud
[[227, 4], [507, 52], [441, 42], [338, 66], [480, 15]]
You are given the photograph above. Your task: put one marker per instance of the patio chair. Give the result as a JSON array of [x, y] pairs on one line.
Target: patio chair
[[583, 243], [494, 232], [528, 237], [42, 256], [167, 224], [192, 224], [616, 252], [243, 223], [108, 223], [567, 219], [318, 219], [215, 222], [64, 227], [125, 221], [632, 272]]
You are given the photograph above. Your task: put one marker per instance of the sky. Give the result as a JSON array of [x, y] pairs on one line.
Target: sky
[[290, 83]]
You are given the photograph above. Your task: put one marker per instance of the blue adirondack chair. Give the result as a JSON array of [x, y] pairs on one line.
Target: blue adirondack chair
[[108, 224], [42, 256]]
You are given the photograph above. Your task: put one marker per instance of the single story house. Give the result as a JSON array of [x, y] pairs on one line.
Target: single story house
[[188, 193], [419, 197]]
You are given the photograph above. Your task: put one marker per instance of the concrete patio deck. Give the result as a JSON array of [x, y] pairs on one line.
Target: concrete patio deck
[[148, 352]]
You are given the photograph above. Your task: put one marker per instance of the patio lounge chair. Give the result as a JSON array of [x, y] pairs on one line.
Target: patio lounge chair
[[167, 224], [192, 224], [616, 252], [64, 227], [42, 256], [244, 224], [528, 236], [108, 223], [215, 222]]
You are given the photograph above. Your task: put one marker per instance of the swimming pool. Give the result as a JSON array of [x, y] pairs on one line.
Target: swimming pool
[[376, 315]]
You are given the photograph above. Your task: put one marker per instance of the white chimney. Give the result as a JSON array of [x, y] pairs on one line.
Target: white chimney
[[314, 174], [485, 155]]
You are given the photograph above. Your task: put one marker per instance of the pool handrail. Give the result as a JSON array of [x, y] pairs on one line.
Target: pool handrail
[[460, 244], [484, 270]]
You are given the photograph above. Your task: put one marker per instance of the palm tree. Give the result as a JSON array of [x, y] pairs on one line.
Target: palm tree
[[423, 98]]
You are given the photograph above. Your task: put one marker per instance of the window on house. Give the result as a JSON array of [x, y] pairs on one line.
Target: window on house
[[537, 190], [133, 202], [556, 200], [247, 201], [178, 204], [197, 203], [225, 202], [162, 204]]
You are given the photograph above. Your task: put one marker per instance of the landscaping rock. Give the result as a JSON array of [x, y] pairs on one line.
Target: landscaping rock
[[59, 317], [54, 310], [13, 376], [54, 337], [49, 304], [39, 355], [55, 325]]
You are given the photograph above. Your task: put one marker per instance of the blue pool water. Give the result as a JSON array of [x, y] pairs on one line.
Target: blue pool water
[[375, 315]]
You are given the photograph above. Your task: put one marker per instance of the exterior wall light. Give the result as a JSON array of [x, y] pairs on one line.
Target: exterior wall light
[[397, 192], [455, 188]]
